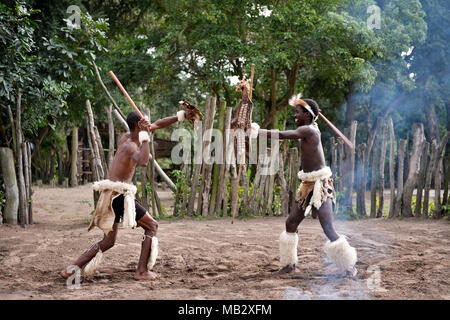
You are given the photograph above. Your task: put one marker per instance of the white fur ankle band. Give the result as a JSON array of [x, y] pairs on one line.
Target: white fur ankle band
[[90, 268], [181, 115], [288, 248], [342, 254], [143, 136]]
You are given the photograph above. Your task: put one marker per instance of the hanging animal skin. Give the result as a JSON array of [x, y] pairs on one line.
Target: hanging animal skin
[[242, 121]]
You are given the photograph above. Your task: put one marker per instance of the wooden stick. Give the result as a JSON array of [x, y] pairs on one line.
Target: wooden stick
[[240, 166], [340, 134], [125, 93]]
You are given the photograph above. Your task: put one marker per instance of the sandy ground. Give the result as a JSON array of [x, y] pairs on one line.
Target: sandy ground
[[212, 259]]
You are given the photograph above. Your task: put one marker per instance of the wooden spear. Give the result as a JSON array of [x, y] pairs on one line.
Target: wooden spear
[[340, 134], [241, 165], [125, 93]]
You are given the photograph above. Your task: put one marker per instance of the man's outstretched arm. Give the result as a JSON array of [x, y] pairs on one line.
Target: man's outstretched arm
[[164, 122], [298, 133]]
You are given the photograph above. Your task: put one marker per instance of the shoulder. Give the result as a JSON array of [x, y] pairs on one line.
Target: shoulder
[[127, 144]]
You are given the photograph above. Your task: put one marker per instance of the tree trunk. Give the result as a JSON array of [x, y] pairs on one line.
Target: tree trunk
[[446, 180], [101, 152], [73, 158], [333, 146], [222, 167], [414, 166], [350, 170], [391, 167], [381, 172], [351, 105], [273, 98], [198, 154], [270, 191], [10, 210], [254, 194], [433, 127], [284, 188], [294, 165], [22, 218], [206, 170], [111, 134], [30, 190], [429, 176], [401, 160], [234, 189], [217, 171], [374, 180], [438, 176], [361, 190], [26, 168], [421, 179], [95, 146], [370, 142], [341, 176]]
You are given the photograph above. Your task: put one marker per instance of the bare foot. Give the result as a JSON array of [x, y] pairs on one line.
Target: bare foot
[[148, 275], [65, 274], [287, 269]]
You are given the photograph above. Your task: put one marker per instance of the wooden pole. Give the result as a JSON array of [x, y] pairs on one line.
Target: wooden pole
[[414, 166], [19, 162]]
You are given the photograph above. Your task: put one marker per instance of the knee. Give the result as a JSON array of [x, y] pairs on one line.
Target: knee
[[152, 228], [291, 225], [108, 244]]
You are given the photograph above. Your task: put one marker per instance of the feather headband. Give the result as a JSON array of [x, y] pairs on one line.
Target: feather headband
[[296, 100]]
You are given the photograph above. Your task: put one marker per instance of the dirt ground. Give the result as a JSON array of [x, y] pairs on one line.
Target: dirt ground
[[213, 259]]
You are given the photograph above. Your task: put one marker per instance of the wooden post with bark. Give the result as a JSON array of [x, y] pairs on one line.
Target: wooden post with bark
[[110, 134], [197, 163], [350, 170], [73, 158], [360, 182], [294, 167], [414, 165], [401, 161], [374, 179], [284, 187], [421, 179], [391, 167], [218, 167], [222, 186], [22, 219], [430, 168], [205, 188], [381, 171], [438, 176], [10, 210]]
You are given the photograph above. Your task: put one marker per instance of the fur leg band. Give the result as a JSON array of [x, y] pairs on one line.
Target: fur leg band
[[93, 264], [153, 253], [143, 136], [342, 254], [288, 248], [181, 115]]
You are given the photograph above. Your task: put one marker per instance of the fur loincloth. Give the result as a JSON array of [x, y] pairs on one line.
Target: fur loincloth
[[104, 215], [319, 185]]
